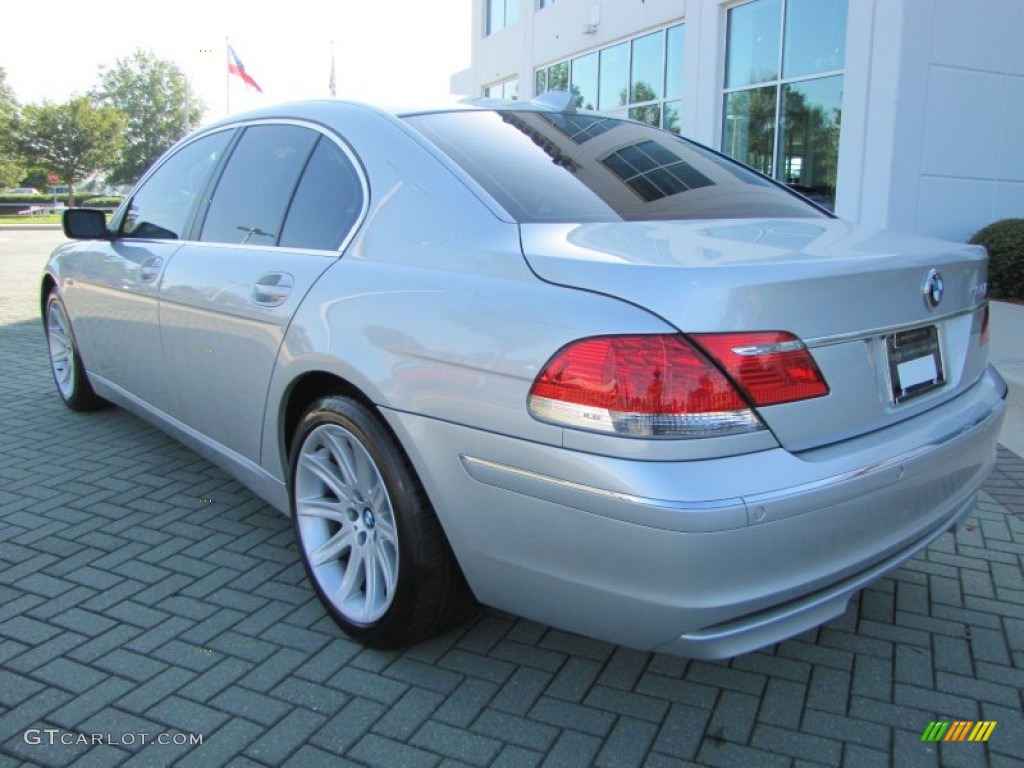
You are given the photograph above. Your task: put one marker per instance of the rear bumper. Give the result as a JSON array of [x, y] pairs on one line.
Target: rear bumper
[[703, 558]]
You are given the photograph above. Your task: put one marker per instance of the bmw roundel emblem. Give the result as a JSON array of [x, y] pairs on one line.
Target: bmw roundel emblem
[[933, 289]]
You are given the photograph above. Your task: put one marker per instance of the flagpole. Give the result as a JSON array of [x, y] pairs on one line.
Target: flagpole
[[332, 84], [227, 77]]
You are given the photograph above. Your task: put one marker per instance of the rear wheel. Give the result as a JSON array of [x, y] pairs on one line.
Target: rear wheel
[[65, 362], [370, 541]]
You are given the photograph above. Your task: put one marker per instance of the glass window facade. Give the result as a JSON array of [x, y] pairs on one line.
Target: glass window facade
[[501, 14], [640, 78], [782, 106], [506, 89]]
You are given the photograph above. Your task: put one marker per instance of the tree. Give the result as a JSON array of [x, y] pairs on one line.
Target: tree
[[11, 167], [75, 139], [151, 93]]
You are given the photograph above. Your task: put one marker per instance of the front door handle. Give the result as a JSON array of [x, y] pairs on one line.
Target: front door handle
[[272, 289], [149, 270]]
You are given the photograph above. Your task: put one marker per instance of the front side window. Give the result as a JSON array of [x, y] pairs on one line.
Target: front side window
[[501, 14], [162, 206], [783, 96], [554, 167], [640, 78], [249, 203]]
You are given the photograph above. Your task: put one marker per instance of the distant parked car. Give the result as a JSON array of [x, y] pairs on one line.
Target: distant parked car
[[23, 191], [573, 366]]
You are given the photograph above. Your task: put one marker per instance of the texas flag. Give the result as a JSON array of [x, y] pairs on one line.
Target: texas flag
[[235, 67]]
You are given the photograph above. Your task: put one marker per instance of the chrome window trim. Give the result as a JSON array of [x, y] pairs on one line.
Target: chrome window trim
[[318, 128], [349, 155]]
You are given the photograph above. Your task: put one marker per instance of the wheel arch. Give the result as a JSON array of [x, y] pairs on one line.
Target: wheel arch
[[48, 286], [305, 390]]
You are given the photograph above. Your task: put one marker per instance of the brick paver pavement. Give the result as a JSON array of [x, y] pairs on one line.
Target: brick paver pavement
[[129, 606]]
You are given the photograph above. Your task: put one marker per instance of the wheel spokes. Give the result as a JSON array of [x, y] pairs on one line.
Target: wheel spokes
[[333, 548], [346, 523], [62, 351], [328, 474]]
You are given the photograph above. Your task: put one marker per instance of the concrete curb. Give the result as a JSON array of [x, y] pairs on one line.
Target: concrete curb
[[27, 227]]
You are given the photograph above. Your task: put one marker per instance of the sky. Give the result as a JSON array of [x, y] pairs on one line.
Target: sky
[[386, 51]]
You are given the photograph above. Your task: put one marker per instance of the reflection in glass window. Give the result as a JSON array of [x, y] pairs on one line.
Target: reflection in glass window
[[580, 128], [501, 14], [749, 131], [649, 113], [752, 53], [614, 76], [508, 89], [630, 78], [249, 203], [815, 37], [545, 3], [648, 68], [327, 202], [786, 128], [584, 81], [653, 171], [809, 140], [558, 76], [631, 172], [673, 109], [674, 62], [161, 208]]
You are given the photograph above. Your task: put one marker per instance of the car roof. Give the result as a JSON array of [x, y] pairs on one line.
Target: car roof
[[322, 109]]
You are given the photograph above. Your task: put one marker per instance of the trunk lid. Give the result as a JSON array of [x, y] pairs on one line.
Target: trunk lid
[[840, 288]]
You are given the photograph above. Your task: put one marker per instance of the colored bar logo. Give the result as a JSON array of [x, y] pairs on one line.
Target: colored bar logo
[[959, 730]]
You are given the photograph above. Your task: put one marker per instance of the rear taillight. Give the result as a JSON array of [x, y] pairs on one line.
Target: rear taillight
[[641, 386], [984, 326], [770, 368]]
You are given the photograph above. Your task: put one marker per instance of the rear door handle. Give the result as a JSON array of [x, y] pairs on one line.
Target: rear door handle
[[272, 289]]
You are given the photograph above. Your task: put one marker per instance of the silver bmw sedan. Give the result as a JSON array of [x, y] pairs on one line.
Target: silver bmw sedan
[[554, 362]]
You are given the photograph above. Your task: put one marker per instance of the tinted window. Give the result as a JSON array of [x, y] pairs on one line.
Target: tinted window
[[327, 202], [249, 203], [542, 166], [161, 207]]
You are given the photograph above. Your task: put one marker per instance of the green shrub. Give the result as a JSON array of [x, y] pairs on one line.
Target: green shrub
[[1004, 241]]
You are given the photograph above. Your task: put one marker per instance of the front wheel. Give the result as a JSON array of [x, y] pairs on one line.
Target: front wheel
[[370, 541], [65, 362]]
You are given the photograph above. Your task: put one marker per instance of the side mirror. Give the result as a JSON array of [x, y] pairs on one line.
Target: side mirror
[[85, 224]]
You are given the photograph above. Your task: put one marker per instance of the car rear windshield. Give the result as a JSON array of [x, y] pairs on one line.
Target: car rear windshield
[[568, 167]]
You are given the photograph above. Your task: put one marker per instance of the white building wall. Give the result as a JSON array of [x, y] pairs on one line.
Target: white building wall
[[932, 104]]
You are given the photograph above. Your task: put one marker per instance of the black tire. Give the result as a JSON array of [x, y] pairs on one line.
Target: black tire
[[363, 523], [69, 372]]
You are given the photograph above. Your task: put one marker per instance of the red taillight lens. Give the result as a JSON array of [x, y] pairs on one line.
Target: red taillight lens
[[984, 326], [645, 386], [771, 368]]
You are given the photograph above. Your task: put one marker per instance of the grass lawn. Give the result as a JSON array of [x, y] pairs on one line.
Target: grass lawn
[[29, 220]]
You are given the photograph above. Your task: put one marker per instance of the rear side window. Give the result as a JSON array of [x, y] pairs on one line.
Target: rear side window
[[327, 202], [161, 208], [552, 167], [250, 200]]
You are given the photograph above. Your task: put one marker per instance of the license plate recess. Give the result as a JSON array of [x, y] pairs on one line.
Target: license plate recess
[[915, 362]]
